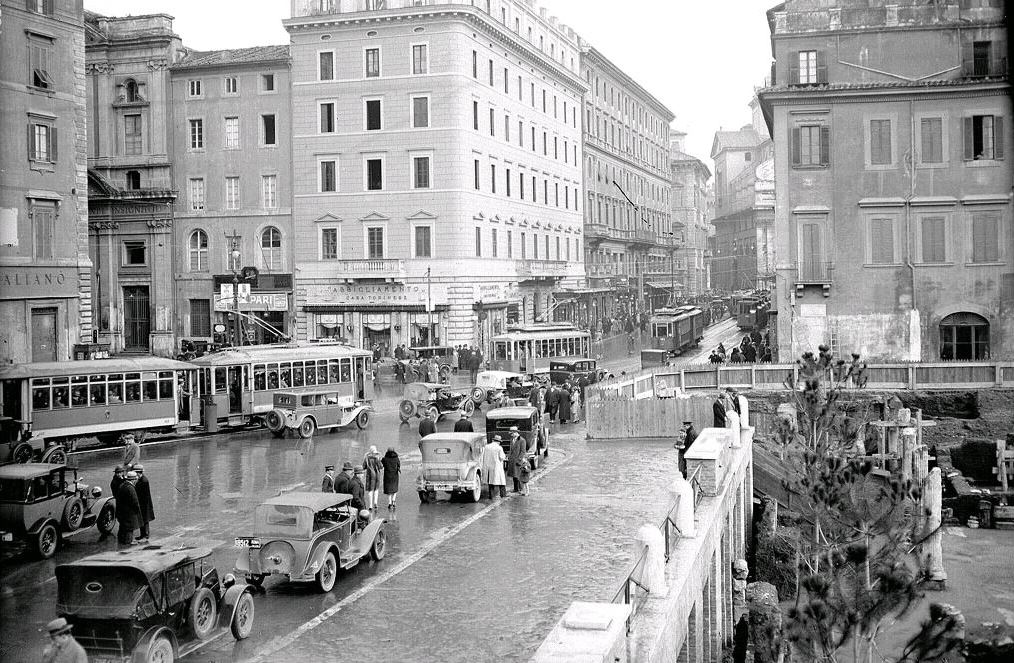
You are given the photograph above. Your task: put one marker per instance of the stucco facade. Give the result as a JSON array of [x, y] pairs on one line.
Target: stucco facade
[[893, 219], [691, 215], [436, 154]]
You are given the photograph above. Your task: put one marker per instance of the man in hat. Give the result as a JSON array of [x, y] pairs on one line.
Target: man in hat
[[143, 490], [341, 482], [517, 456], [63, 647], [428, 425], [492, 464], [118, 479], [131, 451], [463, 424], [357, 489], [685, 438], [128, 510], [327, 483]]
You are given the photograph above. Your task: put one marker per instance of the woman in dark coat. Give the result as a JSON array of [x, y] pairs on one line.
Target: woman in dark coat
[[564, 406], [392, 469]]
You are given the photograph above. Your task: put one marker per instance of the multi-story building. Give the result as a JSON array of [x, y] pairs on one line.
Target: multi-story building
[[45, 274], [691, 216], [743, 242], [628, 220], [893, 186], [231, 154], [130, 190], [436, 168]]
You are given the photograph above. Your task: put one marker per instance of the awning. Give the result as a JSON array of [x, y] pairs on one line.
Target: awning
[[664, 286], [366, 308]]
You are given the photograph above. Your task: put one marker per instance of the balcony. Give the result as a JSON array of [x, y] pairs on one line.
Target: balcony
[[984, 68], [814, 272], [596, 230], [541, 268], [389, 269]]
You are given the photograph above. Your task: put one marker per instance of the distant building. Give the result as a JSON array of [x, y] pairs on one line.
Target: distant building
[[130, 188], [893, 179], [627, 189], [691, 216], [436, 168], [45, 273], [232, 161], [743, 243]]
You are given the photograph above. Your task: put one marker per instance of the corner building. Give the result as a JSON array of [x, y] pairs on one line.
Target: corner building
[[436, 168], [892, 130], [45, 273]]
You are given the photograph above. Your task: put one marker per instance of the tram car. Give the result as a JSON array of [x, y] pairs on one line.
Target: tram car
[[239, 384], [676, 330], [752, 312], [53, 405]]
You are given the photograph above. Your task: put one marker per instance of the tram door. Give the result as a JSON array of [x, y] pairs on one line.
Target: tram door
[[364, 379], [236, 389], [10, 429]]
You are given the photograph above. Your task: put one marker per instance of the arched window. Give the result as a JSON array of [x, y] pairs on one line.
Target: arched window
[[271, 248], [964, 336], [130, 88], [198, 251]]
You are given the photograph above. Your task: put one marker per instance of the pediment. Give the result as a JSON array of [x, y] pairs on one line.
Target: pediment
[[328, 218], [422, 215], [374, 216]]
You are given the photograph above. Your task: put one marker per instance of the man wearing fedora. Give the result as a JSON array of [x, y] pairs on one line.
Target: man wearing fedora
[[63, 648], [357, 489], [147, 507], [463, 424], [343, 480], [493, 475], [128, 510]]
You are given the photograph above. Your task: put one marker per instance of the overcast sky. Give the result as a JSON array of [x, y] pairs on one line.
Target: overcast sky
[[701, 58]]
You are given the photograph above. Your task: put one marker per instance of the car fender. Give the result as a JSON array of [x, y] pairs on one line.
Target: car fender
[[227, 606], [317, 557], [369, 532], [34, 529], [100, 504], [145, 641]]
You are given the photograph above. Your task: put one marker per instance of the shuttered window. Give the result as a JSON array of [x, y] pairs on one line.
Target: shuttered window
[[807, 68], [42, 142], [882, 241], [40, 56], [933, 239], [983, 137], [985, 240], [43, 227], [200, 317], [880, 142], [931, 134], [811, 146]]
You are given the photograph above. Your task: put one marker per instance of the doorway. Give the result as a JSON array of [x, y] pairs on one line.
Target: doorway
[[136, 318], [44, 334], [236, 388]]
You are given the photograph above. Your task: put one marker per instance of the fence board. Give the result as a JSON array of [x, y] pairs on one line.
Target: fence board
[[617, 418]]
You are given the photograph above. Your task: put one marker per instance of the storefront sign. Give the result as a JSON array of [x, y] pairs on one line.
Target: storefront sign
[[257, 301], [32, 282], [393, 293], [496, 292]]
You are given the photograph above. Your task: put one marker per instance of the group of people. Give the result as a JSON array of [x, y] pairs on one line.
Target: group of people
[[418, 370], [727, 401], [364, 482], [753, 348], [561, 402], [134, 506], [496, 465]]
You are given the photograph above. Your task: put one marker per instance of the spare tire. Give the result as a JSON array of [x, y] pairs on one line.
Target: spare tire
[[445, 371], [406, 409], [478, 395], [73, 514], [274, 421]]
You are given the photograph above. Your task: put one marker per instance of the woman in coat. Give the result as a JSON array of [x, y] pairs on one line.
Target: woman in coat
[[374, 470], [392, 469], [564, 407]]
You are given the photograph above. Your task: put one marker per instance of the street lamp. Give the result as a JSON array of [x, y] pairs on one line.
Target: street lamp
[[234, 259]]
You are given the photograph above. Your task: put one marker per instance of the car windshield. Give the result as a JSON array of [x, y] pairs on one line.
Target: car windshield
[[283, 520], [14, 490], [101, 591]]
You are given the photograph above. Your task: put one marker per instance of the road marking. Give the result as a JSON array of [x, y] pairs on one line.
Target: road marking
[[272, 647]]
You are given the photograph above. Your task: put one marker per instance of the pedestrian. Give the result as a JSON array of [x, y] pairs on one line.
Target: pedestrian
[[147, 507], [399, 354], [718, 409], [374, 470], [118, 479], [434, 370], [327, 483], [128, 510], [564, 404], [427, 425], [184, 395], [454, 360], [537, 398], [750, 353], [732, 400], [463, 424], [524, 472], [552, 401], [342, 481], [62, 648], [392, 472], [736, 357], [493, 459], [518, 455], [131, 451], [576, 403], [686, 439], [357, 490]]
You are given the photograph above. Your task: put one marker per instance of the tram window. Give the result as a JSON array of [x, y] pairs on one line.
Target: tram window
[[150, 390], [61, 393], [79, 391], [272, 376], [346, 375], [285, 375], [311, 374], [115, 392], [221, 384], [165, 385], [97, 393], [334, 377], [297, 374], [260, 381], [40, 398], [132, 388], [321, 372]]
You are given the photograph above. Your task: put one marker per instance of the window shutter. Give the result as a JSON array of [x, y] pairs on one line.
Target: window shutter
[[31, 5], [966, 58], [795, 146], [793, 67], [821, 68], [997, 136], [47, 7], [825, 146], [31, 141], [52, 144], [969, 138]]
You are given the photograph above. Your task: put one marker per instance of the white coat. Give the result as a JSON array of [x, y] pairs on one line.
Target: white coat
[[493, 459]]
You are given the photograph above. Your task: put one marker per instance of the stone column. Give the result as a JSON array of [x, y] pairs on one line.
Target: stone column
[[684, 492], [933, 564], [650, 539]]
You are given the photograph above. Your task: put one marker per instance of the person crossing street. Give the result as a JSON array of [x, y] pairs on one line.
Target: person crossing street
[[147, 507]]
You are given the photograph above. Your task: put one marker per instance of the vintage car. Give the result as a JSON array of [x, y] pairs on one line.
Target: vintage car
[[572, 371], [150, 604], [308, 409], [442, 353], [40, 503], [432, 399], [19, 445], [500, 387], [531, 426], [307, 537], [451, 464]]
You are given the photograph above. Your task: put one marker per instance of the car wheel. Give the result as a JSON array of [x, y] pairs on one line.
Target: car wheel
[[476, 491], [55, 455], [363, 419], [256, 579], [243, 617], [379, 547], [160, 650], [273, 420], [73, 514], [468, 407], [307, 428], [478, 395], [328, 572], [203, 614], [47, 540], [23, 453], [107, 518], [406, 409], [424, 496], [433, 412]]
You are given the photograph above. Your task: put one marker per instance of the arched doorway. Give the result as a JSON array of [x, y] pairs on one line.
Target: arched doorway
[[964, 336]]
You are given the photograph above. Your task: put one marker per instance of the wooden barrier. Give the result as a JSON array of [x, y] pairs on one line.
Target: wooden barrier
[[620, 416]]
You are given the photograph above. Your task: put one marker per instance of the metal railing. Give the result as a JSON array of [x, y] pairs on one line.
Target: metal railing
[[984, 68], [628, 592], [814, 271]]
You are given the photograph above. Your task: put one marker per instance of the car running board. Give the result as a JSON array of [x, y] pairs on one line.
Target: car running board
[[351, 558]]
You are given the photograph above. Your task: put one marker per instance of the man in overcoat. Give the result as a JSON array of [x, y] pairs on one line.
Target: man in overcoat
[[493, 459], [357, 489], [427, 426], [463, 424], [342, 481], [518, 455], [552, 401], [147, 507], [128, 510], [327, 483]]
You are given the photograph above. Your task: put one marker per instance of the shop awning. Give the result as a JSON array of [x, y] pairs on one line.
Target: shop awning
[[370, 308], [664, 286]]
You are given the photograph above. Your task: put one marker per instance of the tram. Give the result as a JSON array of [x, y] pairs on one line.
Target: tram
[[240, 383], [676, 330], [529, 349], [62, 402], [752, 312]]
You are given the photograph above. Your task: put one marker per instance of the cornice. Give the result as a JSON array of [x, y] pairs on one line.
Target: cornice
[[597, 56], [817, 96]]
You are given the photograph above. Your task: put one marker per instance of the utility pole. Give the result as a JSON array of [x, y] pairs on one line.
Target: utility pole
[[234, 259], [429, 308]]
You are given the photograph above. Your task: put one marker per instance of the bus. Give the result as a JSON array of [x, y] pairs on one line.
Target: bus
[[530, 349], [242, 381], [676, 330], [65, 401]]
